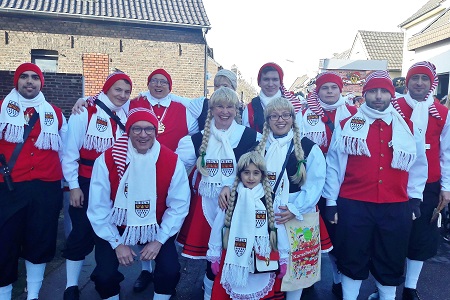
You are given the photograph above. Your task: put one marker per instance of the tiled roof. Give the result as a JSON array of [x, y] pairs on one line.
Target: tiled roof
[[384, 46], [429, 6], [185, 13], [437, 31], [342, 55], [299, 83]]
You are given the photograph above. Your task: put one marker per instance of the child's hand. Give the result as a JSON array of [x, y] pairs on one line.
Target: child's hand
[[223, 197], [283, 216], [283, 270], [215, 267]]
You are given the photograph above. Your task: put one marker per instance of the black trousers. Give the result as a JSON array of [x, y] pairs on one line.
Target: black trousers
[[107, 277], [80, 241], [29, 230]]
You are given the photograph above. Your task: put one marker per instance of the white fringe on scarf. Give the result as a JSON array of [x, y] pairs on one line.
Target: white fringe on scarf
[[210, 189], [320, 138], [48, 140], [403, 161], [353, 146], [142, 234], [13, 133], [235, 275], [262, 245], [97, 143]]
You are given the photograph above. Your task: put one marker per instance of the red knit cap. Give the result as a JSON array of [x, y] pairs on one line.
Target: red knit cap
[[140, 114], [423, 67], [273, 65], [379, 80], [163, 73], [28, 67], [112, 78], [325, 77]]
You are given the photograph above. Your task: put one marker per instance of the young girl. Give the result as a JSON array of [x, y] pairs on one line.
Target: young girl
[[246, 228]]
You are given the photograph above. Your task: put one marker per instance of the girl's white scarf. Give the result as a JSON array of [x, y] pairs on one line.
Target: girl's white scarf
[[313, 126], [275, 156], [220, 161], [245, 235], [135, 203], [420, 112], [99, 135], [12, 119], [353, 139], [265, 100]]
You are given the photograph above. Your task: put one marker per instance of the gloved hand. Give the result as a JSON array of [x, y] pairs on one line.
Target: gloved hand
[[283, 269], [414, 203], [330, 214], [215, 266]]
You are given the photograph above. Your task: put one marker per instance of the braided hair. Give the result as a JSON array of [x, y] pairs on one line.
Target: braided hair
[[251, 158], [222, 96], [279, 104]]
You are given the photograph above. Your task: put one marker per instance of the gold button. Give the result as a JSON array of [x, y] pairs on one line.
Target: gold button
[[31, 153], [32, 139], [32, 168], [381, 181], [382, 155], [381, 168], [381, 129], [382, 141]]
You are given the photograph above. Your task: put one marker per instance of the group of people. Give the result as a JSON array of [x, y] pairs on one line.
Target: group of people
[[161, 169]]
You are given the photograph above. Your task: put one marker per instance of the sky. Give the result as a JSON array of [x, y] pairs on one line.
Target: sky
[[296, 34]]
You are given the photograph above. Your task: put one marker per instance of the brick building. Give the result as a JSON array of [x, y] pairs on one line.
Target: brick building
[[79, 42]]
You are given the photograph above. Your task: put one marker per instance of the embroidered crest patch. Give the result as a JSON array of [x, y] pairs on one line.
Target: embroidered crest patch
[[227, 167], [101, 124], [260, 216], [212, 165], [272, 177], [49, 118], [312, 119], [357, 123], [239, 246], [142, 208], [12, 109]]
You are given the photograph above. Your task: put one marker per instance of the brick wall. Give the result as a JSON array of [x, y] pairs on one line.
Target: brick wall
[[61, 89], [132, 49], [95, 68]]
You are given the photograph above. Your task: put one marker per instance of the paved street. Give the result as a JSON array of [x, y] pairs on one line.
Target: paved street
[[433, 285]]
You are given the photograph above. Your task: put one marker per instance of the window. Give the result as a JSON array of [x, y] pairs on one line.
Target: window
[[47, 60]]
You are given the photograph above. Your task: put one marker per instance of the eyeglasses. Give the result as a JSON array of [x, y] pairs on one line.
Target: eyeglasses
[[148, 130], [161, 82], [285, 117]]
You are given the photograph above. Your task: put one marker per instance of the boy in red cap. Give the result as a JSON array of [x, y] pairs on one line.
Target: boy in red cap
[[90, 133], [139, 194], [375, 208], [432, 119], [270, 80], [29, 209]]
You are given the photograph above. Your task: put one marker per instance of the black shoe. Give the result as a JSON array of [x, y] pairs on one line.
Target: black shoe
[[143, 281], [410, 294], [336, 289], [72, 293]]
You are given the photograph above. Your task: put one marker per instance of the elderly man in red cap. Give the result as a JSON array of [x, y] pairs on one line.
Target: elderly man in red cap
[[270, 80], [375, 203], [139, 194], [31, 134], [431, 118], [90, 134]]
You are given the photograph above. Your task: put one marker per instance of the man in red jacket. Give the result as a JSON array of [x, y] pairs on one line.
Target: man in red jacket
[[29, 209]]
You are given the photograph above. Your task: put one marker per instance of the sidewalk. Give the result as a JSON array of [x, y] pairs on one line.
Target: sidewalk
[[433, 284]]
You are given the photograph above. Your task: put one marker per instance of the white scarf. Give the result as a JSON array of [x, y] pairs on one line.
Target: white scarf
[[265, 100], [12, 118], [153, 101], [420, 112], [314, 127], [353, 139], [99, 135], [135, 203], [220, 161], [245, 235], [275, 156]]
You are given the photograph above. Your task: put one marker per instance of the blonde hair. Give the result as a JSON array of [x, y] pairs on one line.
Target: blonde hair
[[222, 96], [279, 104], [246, 159]]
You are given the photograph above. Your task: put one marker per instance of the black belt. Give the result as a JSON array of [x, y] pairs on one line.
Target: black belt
[[86, 162]]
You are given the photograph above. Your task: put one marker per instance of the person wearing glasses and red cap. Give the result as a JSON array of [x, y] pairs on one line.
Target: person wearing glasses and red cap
[[90, 133], [139, 194], [31, 135]]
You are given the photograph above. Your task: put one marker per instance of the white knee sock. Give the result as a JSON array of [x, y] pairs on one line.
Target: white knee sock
[[386, 292], [160, 297], [5, 292], [146, 265], [207, 285], [115, 297], [294, 295], [413, 269], [73, 270], [350, 287], [336, 273], [35, 276]]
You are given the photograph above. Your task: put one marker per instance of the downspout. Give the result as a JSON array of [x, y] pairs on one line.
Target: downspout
[[205, 66]]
